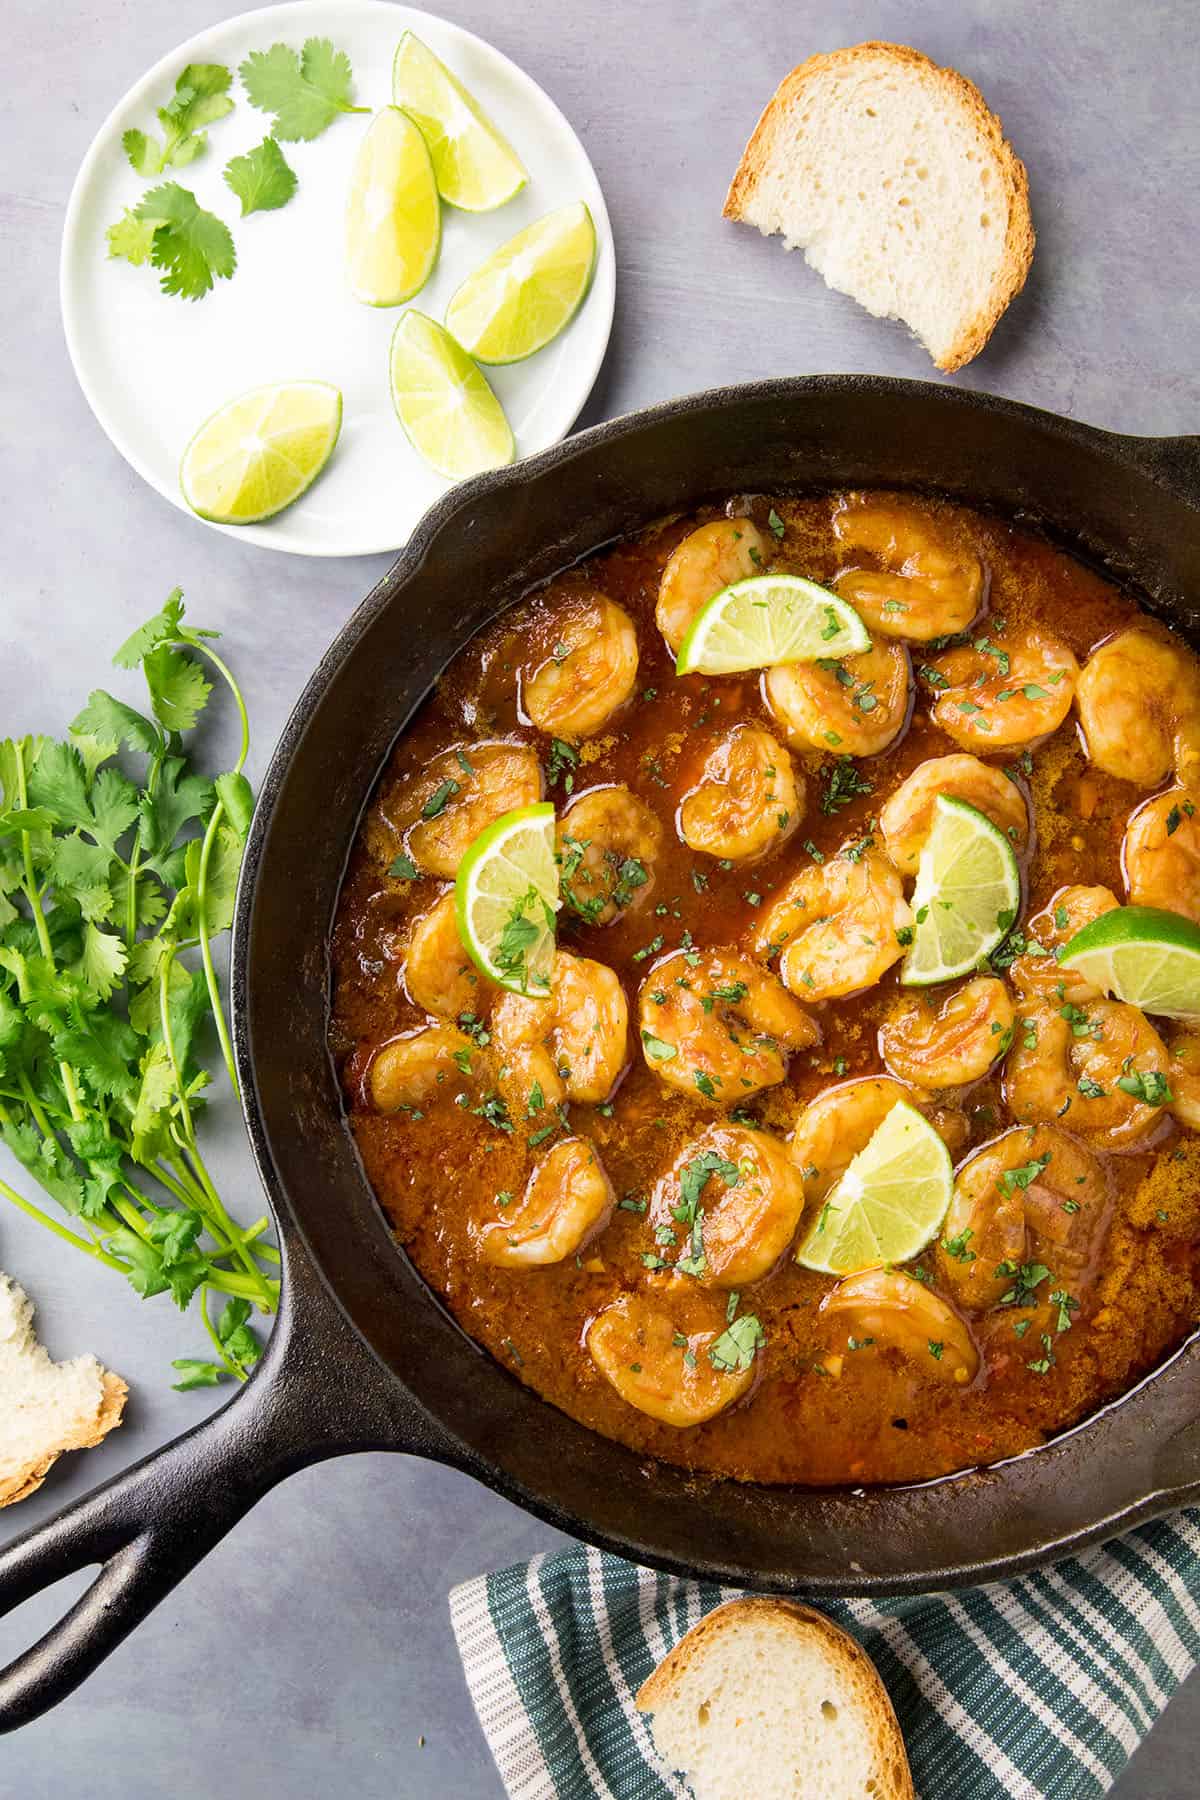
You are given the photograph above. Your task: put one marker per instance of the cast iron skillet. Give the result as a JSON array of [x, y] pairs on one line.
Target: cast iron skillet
[[363, 1356]]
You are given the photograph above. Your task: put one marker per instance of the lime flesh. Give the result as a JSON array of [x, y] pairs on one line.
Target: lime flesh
[[766, 620], [967, 894], [476, 167], [505, 898], [1143, 955], [393, 220], [444, 403], [888, 1204], [528, 289], [261, 451]]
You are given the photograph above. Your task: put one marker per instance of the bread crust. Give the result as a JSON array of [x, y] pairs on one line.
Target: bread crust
[[1019, 241], [85, 1434], [844, 1654]]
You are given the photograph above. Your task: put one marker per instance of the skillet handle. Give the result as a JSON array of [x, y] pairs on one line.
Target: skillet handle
[[1173, 460], [317, 1393]]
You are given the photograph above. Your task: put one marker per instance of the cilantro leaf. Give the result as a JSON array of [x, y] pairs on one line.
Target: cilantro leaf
[[179, 688], [190, 246], [131, 238], [102, 961], [201, 97], [162, 628], [179, 798], [107, 718], [262, 179], [237, 797], [195, 1373], [305, 92]]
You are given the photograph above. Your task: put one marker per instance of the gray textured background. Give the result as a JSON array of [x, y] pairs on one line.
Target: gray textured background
[[313, 1648]]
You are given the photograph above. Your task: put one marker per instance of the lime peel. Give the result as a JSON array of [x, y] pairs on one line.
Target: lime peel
[[766, 620], [889, 1202], [506, 893], [967, 895], [1144, 955]]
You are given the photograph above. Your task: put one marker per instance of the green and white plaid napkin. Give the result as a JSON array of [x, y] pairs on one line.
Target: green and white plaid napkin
[[1019, 1690]]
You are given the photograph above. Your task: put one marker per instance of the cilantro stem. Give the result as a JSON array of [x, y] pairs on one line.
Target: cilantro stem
[[59, 1230], [71, 1088], [33, 892], [233, 1368], [268, 1291], [210, 837]]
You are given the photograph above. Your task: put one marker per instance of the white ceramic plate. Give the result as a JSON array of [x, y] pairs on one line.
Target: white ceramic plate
[[154, 367]]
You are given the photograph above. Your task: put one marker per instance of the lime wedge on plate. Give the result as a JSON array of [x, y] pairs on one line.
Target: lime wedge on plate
[[888, 1204], [769, 619], [476, 168], [1142, 955], [506, 896], [394, 217], [528, 289], [444, 403], [261, 451], [967, 896]]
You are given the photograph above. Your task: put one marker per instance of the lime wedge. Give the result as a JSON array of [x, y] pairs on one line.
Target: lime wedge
[[476, 168], [528, 289], [889, 1203], [1143, 955], [506, 896], [769, 619], [394, 217], [967, 896], [261, 451], [444, 403]]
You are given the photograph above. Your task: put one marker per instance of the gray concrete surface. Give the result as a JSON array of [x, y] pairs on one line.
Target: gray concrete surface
[[312, 1651]]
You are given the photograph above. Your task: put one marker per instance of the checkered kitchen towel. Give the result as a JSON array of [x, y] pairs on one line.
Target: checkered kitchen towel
[[1020, 1690]]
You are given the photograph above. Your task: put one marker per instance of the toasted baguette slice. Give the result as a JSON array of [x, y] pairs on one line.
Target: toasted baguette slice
[[766, 1697], [45, 1407], [897, 183]]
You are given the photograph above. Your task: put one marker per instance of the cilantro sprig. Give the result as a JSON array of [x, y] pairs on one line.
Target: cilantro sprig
[[111, 892], [201, 97], [169, 229], [306, 91]]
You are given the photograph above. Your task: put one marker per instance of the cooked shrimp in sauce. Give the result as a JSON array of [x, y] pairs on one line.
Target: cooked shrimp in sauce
[[607, 1184]]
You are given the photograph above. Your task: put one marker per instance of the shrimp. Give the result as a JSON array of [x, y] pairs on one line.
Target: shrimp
[[589, 672], [608, 843], [438, 973], [1038, 972], [667, 1373], [952, 1044], [410, 1069], [1183, 1045], [906, 817], [997, 696], [932, 587], [1138, 698], [748, 799], [889, 1308], [568, 1199], [707, 560], [731, 1202], [720, 1029], [462, 790], [842, 1120], [858, 704], [1161, 854], [835, 925], [1027, 1198], [571, 1045], [1103, 1068]]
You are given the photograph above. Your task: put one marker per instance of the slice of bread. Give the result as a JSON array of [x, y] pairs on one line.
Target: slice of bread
[[896, 181], [766, 1697], [45, 1407]]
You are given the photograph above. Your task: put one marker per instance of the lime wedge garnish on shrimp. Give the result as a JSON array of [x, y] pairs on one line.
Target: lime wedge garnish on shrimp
[[506, 896], [476, 167], [769, 619], [394, 217], [528, 290], [967, 897], [261, 451], [444, 403], [889, 1203], [1142, 955]]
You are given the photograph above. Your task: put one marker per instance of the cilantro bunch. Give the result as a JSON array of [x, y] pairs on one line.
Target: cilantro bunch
[[111, 892]]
